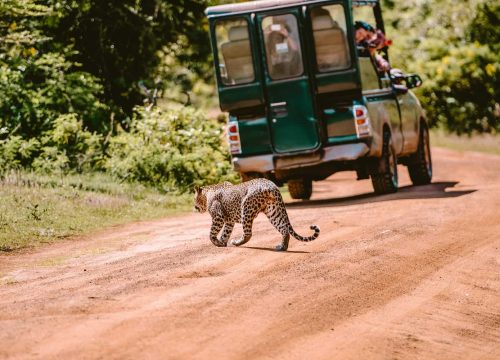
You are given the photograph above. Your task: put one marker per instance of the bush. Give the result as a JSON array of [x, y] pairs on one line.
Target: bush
[[70, 147], [65, 148], [16, 153], [170, 150], [462, 89]]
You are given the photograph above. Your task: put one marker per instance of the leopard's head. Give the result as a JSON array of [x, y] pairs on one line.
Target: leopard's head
[[200, 200]]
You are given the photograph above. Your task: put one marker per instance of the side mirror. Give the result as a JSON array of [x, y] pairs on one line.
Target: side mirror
[[413, 81]]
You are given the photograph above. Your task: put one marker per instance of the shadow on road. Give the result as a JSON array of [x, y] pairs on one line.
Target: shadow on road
[[431, 191], [274, 250]]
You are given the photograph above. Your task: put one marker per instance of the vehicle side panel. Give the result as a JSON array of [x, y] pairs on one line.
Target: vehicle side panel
[[382, 107], [383, 111], [410, 116]]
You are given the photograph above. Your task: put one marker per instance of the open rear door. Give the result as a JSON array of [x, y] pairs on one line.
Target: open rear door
[[289, 97]]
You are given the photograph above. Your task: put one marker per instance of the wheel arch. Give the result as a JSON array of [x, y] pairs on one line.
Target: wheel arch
[[422, 123], [378, 137]]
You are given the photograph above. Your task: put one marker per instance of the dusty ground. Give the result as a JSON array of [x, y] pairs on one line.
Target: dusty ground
[[414, 275]]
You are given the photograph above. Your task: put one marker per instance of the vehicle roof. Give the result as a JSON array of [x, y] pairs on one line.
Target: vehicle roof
[[267, 4]]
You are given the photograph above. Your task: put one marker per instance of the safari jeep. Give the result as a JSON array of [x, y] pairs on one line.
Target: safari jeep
[[304, 102]]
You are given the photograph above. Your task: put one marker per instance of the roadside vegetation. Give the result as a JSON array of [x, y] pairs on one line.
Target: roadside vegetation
[[37, 209], [104, 105], [455, 47], [485, 143]]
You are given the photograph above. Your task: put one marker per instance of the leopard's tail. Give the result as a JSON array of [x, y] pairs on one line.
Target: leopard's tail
[[308, 238]]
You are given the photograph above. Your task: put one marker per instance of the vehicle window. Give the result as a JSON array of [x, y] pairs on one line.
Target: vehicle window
[[330, 41], [235, 56], [283, 53]]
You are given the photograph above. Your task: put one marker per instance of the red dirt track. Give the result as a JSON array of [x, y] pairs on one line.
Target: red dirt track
[[412, 275]]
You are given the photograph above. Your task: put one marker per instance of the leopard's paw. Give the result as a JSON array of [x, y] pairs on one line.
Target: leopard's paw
[[219, 243], [281, 247], [237, 242]]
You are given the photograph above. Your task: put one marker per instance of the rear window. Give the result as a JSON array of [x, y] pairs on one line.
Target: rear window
[[283, 53], [330, 40], [235, 56]]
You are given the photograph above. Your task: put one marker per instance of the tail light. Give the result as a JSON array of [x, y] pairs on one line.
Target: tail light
[[362, 121], [233, 136]]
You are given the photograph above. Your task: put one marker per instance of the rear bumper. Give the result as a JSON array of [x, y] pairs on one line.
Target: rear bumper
[[270, 162]]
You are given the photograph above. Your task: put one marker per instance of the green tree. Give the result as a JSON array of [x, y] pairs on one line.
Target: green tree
[[38, 82], [119, 41], [485, 26]]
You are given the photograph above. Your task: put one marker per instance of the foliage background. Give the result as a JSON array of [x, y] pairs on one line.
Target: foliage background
[[78, 80], [455, 47]]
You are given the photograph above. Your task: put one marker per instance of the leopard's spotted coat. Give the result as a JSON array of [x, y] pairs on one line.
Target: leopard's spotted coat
[[229, 204]]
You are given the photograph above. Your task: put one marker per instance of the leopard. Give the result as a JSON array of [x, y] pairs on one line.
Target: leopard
[[229, 204]]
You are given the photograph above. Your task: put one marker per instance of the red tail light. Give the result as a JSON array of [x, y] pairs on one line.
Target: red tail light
[[233, 136], [362, 121], [233, 129]]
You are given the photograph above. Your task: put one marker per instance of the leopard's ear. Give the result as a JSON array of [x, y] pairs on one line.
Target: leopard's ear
[[197, 189]]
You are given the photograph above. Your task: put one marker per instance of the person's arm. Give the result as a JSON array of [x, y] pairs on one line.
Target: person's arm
[[382, 64]]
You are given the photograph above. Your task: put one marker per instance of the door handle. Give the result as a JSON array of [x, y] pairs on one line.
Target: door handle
[[278, 104], [278, 109]]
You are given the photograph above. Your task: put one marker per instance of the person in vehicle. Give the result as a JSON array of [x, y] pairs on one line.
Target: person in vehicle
[[371, 40], [282, 49]]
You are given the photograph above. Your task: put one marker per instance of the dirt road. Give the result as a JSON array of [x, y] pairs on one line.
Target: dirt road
[[410, 275]]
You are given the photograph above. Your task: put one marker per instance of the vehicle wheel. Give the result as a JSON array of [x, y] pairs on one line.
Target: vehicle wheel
[[250, 176], [300, 188], [420, 163], [385, 176]]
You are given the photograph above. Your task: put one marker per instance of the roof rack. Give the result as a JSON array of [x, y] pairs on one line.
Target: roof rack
[[364, 2], [270, 4]]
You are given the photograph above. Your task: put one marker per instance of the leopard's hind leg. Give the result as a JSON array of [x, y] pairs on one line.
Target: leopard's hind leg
[[276, 213], [250, 208], [226, 232]]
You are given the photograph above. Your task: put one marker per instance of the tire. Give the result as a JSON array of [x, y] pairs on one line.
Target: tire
[[300, 189], [420, 163], [385, 175]]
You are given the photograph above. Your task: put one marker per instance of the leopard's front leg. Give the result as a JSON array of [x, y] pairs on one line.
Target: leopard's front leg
[[217, 223]]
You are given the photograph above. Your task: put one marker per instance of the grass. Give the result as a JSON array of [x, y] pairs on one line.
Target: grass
[[485, 143], [38, 209]]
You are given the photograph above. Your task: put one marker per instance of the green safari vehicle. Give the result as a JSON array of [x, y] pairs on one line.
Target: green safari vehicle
[[305, 102]]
